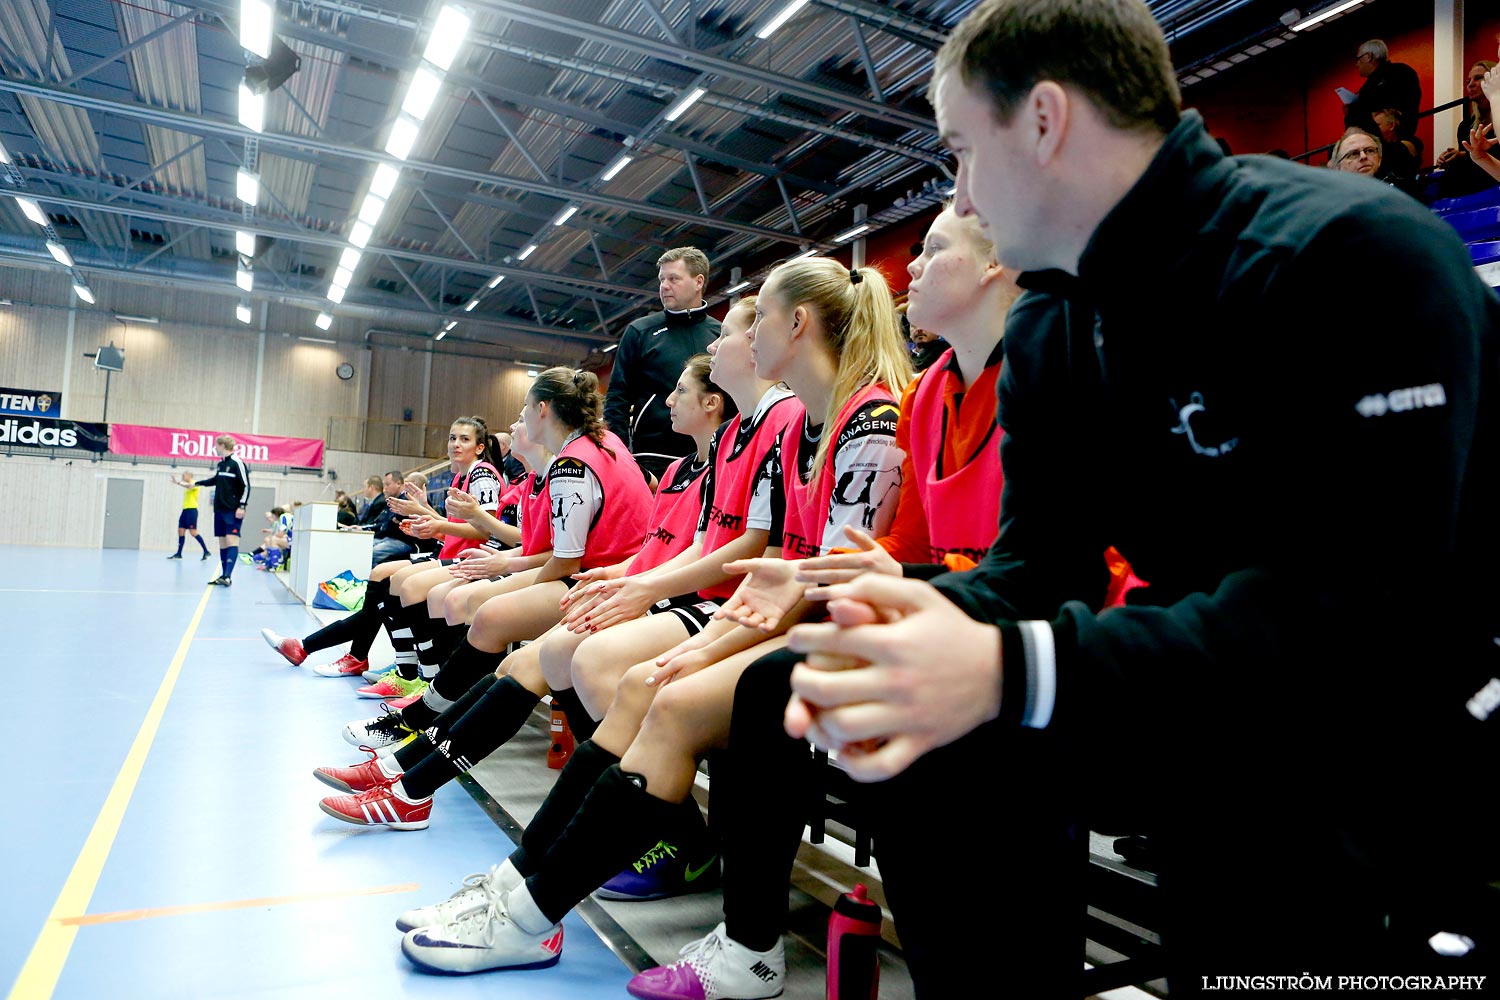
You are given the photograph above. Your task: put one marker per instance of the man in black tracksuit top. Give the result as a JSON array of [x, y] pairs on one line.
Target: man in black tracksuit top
[[652, 353], [1308, 686], [231, 486]]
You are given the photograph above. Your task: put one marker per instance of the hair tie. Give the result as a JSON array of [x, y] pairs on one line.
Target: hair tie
[[855, 277]]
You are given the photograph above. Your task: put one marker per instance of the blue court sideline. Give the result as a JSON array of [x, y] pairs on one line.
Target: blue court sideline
[[224, 879]]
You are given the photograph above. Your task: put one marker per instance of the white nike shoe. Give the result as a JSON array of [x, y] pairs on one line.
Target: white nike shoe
[[480, 938], [470, 895], [715, 967]]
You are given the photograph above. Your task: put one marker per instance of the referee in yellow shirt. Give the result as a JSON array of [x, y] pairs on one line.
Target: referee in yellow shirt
[[187, 521]]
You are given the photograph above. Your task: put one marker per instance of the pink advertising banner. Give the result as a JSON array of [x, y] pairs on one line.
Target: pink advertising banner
[[176, 442]]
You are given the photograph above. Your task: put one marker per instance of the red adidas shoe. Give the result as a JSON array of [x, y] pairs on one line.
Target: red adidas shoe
[[344, 666], [379, 806], [359, 777], [286, 646]]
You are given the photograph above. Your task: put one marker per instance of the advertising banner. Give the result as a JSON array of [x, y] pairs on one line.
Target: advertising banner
[[31, 403], [70, 435], [196, 445]]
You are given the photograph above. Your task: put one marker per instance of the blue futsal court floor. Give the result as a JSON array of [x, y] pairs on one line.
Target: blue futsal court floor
[[162, 836]]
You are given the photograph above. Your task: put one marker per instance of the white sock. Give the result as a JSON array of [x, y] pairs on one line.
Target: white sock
[[388, 766], [524, 912], [507, 875]]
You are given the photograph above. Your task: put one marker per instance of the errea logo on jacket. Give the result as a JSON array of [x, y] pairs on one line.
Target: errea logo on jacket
[[1418, 397]]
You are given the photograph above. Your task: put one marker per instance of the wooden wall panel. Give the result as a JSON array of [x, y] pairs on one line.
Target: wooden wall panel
[[300, 390], [397, 382], [32, 347]]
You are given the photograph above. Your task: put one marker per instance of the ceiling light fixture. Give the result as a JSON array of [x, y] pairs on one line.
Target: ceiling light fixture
[[336, 294], [384, 181], [530, 249], [360, 234], [349, 259], [805, 254], [252, 109], [423, 90], [469, 305], [316, 340], [369, 211], [323, 322], [606, 349], [565, 215], [83, 292], [782, 16], [735, 288], [32, 211], [244, 243], [59, 253], [403, 137], [255, 27], [342, 277], [447, 35], [151, 320], [242, 312], [245, 278], [247, 187], [614, 168], [687, 102], [495, 281], [849, 234], [1323, 15]]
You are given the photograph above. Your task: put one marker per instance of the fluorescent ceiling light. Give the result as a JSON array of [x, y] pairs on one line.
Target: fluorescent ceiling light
[[242, 313], [342, 277], [316, 340], [252, 109], [385, 180], [324, 321], [685, 103], [469, 305], [565, 215], [369, 211], [247, 187], [731, 290], [495, 281], [1323, 15], [781, 18], [244, 243], [32, 211], [255, 27], [245, 279], [336, 294], [83, 292], [531, 374], [530, 249], [360, 234], [806, 254], [441, 334], [152, 320], [59, 253], [849, 234], [608, 348], [450, 324], [403, 137], [349, 258], [447, 35], [423, 90], [614, 168], [4, 154]]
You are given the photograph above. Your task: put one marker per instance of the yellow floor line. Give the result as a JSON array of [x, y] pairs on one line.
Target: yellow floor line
[[122, 916], [44, 965]]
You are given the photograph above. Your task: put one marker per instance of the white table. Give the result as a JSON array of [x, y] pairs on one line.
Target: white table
[[321, 552]]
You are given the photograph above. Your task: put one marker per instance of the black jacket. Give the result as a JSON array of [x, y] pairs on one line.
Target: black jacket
[[1310, 492], [1390, 85], [230, 483], [648, 362], [375, 508]]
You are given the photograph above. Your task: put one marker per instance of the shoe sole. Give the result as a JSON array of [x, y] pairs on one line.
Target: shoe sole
[[368, 694], [333, 782], [622, 897], [438, 971], [418, 825], [318, 672]]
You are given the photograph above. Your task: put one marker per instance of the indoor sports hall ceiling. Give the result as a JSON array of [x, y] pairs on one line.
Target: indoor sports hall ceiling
[[121, 119]]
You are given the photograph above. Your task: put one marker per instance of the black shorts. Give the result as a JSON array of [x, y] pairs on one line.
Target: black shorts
[[694, 611], [225, 523], [188, 518]]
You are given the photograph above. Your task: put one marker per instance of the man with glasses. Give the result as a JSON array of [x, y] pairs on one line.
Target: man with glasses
[[1357, 152], [1387, 85]]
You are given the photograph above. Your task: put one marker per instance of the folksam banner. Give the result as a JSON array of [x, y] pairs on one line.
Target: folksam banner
[[198, 446]]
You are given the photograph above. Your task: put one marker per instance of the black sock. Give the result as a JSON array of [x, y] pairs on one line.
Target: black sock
[[462, 670], [759, 834], [201, 544], [617, 823], [588, 762], [408, 755], [232, 556], [359, 629], [180, 540], [579, 721], [447, 638], [403, 641], [497, 716]]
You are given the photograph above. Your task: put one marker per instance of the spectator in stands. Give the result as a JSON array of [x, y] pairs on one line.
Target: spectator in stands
[[925, 347], [231, 485], [509, 465], [1387, 85], [1461, 175], [372, 504], [187, 521], [1279, 640], [1400, 157], [652, 353], [1357, 152], [348, 513], [390, 541]]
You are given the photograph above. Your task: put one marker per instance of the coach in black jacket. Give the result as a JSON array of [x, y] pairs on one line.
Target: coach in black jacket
[[652, 353], [1311, 497]]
